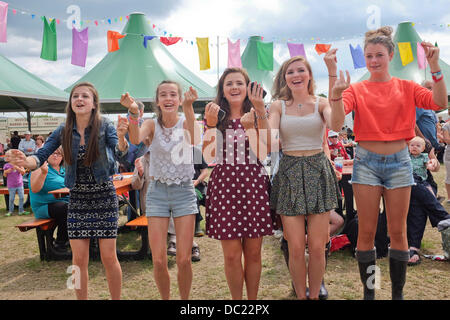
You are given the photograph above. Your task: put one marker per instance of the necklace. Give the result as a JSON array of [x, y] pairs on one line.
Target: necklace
[[299, 106]]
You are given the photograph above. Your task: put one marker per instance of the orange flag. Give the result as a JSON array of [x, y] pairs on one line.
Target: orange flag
[[113, 40], [322, 48]]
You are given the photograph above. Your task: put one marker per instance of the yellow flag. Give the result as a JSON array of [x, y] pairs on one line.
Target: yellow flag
[[406, 54], [203, 53]]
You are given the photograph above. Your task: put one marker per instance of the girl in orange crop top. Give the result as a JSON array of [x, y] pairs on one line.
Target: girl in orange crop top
[[384, 119]]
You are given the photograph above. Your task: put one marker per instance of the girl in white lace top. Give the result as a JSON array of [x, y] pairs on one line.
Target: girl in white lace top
[[171, 191]]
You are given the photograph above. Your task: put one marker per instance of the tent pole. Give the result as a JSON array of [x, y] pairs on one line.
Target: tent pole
[[29, 120]]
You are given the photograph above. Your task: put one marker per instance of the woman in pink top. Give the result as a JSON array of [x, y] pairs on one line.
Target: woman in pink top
[[381, 165]]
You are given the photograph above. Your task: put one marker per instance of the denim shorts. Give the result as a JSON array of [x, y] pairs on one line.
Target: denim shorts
[[176, 200], [389, 171]]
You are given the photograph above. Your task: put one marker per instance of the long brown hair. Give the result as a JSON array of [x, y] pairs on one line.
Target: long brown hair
[[157, 108], [280, 89], [94, 125], [223, 103]]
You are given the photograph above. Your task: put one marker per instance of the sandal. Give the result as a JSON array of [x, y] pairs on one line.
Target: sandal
[[413, 253]]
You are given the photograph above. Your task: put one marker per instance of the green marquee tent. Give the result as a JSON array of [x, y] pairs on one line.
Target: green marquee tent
[[22, 91], [250, 63], [406, 33], [138, 70]]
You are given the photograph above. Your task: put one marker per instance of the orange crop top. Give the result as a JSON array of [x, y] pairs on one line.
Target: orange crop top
[[385, 111]]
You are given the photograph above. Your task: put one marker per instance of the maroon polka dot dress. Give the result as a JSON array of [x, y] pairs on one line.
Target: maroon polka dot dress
[[237, 200]]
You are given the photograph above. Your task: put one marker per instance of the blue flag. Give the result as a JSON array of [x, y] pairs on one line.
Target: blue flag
[[357, 56], [147, 38]]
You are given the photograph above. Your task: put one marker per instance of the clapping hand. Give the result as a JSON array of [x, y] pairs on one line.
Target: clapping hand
[[248, 119], [255, 95], [211, 112], [432, 53], [189, 97], [331, 61], [16, 157], [122, 126]]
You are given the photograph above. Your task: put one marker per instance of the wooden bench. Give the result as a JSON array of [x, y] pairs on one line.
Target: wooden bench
[[44, 231], [140, 221], [4, 190]]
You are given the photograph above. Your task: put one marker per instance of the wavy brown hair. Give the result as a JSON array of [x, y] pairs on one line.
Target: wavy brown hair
[[92, 153], [280, 89], [223, 103]]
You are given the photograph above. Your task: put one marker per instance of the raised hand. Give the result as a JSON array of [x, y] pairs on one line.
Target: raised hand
[[432, 54], [16, 158], [330, 59], [340, 85], [122, 126], [44, 168], [189, 97], [255, 95], [128, 102], [211, 112]]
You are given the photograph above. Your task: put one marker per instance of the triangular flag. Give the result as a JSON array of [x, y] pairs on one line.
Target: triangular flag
[[147, 38], [322, 48], [203, 53], [265, 55], [406, 54], [296, 49], [234, 54], [79, 47], [168, 41], [3, 20], [49, 45], [357, 56], [435, 44], [421, 57], [113, 40]]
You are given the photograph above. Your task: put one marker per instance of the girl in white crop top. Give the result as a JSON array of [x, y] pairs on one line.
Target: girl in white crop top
[[305, 186], [171, 191]]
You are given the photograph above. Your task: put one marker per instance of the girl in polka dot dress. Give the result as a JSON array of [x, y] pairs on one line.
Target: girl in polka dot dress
[[237, 201]]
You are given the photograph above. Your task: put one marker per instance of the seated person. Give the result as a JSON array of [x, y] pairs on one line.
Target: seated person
[[423, 202], [49, 177], [336, 147]]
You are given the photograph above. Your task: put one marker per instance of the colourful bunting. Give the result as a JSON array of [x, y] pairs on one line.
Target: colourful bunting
[[147, 38], [421, 57], [322, 48], [168, 41], [3, 20], [49, 44], [113, 40], [234, 54], [79, 47], [265, 55], [357, 56], [296, 49], [406, 54], [203, 53]]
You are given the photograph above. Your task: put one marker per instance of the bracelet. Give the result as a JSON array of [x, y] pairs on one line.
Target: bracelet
[[209, 127], [133, 120], [337, 99], [331, 76], [133, 115], [265, 116], [437, 79], [437, 73]]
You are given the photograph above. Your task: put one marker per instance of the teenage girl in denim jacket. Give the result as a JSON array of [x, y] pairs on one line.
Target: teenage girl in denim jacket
[[90, 152]]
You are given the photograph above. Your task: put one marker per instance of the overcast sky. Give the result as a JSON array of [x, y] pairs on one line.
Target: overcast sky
[[339, 22]]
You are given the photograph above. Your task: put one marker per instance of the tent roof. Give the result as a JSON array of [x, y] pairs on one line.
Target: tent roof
[[406, 33], [138, 70], [250, 63], [22, 91]]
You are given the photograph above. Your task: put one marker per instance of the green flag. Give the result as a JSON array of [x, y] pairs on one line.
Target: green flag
[[48, 51], [265, 55]]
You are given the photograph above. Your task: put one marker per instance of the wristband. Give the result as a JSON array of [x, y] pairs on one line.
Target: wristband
[[337, 99], [209, 127], [133, 115], [331, 76], [133, 120], [265, 116]]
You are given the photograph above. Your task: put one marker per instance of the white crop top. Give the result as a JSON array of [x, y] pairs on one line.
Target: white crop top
[[301, 132], [171, 156]]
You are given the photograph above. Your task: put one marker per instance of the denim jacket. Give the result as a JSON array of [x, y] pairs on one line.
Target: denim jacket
[[103, 168]]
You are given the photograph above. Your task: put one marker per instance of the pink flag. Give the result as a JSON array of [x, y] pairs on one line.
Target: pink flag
[[421, 58], [296, 49], [79, 47], [3, 20], [234, 54]]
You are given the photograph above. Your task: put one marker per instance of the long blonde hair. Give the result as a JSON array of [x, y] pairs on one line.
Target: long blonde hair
[[280, 89]]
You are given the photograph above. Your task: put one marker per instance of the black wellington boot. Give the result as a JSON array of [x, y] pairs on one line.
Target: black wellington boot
[[398, 261], [323, 293], [366, 263]]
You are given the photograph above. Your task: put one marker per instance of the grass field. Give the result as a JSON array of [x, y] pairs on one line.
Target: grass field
[[23, 276]]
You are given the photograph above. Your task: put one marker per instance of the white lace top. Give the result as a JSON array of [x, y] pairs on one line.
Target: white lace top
[[171, 157]]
